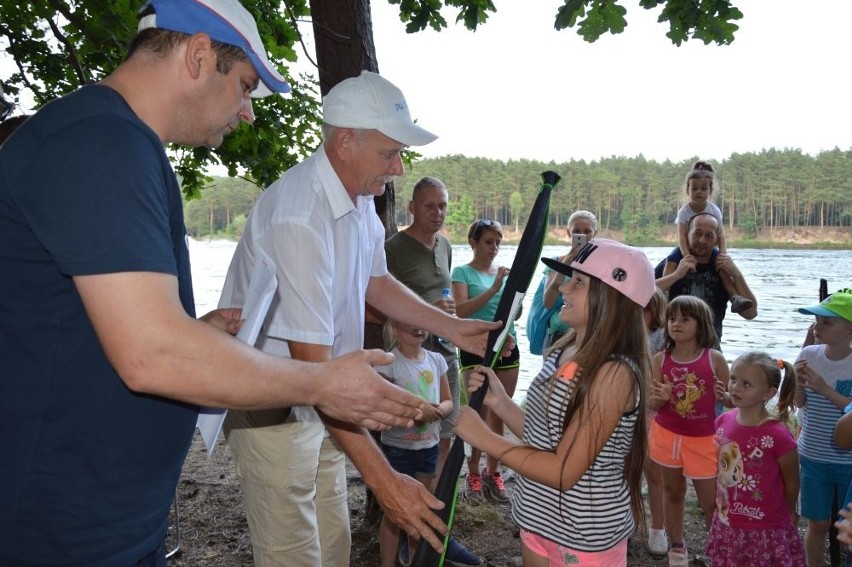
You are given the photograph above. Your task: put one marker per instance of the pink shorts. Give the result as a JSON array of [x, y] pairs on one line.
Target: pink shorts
[[697, 456], [561, 555]]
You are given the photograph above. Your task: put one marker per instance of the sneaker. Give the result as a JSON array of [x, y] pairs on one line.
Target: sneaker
[[403, 557], [474, 487], [678, 557], [658, 542], [460, 556], [493, 485], [740, 304]]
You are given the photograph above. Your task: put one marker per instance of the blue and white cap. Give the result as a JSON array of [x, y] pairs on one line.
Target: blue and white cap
[[226, 21]]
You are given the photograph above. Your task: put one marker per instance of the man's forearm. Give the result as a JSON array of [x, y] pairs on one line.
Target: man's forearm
[[362, 451]]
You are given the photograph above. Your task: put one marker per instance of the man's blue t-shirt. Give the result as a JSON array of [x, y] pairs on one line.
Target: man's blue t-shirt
[[88, 468]]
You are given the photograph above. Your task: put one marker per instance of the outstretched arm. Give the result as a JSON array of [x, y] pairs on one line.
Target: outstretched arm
[[405, 500], [613, 393], [398, 302], [496, 399], [158, 349]]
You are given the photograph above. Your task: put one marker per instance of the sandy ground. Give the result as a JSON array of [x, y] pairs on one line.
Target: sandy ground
[[213, 529]]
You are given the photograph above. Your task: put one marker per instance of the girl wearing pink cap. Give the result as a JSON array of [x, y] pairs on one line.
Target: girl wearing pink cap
[[583, 434]]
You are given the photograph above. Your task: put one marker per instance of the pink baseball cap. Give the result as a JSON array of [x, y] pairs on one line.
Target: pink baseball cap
[[624, 268]]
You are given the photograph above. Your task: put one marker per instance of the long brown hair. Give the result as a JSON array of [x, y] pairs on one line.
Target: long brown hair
[[615, 330]]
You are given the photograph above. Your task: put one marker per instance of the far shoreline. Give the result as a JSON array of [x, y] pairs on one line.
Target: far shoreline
[[789, 238]]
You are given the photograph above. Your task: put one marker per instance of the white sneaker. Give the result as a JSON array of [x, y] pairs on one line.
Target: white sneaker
[[658, 542], [678, 557]]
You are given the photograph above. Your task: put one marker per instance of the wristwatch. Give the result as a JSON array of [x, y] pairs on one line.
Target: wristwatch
[[848, 408]]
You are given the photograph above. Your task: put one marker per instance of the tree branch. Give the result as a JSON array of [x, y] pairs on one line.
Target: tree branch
[[72, 51]]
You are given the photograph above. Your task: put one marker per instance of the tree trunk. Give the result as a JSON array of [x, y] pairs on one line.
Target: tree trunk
[[343, 31]]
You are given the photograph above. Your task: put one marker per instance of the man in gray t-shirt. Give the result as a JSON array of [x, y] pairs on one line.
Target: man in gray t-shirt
[[421, 258]]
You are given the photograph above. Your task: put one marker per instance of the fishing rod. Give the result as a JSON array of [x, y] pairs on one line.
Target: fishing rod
[[521, 273]]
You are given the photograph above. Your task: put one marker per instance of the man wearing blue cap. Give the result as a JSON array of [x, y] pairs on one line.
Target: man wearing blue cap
[[103, 360]]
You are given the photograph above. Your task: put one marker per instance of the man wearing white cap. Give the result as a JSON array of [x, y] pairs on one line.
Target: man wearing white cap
[[319, 224], [103, 360]]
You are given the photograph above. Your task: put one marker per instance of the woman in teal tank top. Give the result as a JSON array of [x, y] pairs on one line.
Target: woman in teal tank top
[[477, 288]]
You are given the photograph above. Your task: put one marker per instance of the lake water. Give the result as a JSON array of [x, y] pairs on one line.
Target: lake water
[[782, 280]]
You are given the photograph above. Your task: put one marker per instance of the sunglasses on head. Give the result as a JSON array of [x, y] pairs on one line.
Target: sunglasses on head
[[480, 225]]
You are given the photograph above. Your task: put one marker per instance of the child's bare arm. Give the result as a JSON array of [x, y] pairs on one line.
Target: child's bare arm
[[660, 390], [683, 238], [788, 463], [613, 392], [445, 406], [721, 241]]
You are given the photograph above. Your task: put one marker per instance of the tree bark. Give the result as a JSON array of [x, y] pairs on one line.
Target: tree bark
[[343, 31]]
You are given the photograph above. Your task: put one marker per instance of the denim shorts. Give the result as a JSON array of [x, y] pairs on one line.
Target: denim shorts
[[823, 485], [416, 463]]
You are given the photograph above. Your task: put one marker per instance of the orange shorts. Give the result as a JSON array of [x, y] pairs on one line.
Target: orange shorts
[[697, 456], [559, 555]]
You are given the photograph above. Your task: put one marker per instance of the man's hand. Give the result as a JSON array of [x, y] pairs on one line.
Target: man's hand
[[409, 505], [350, 390], [471, 335], [686, 265], [725, 263], [229, 319]]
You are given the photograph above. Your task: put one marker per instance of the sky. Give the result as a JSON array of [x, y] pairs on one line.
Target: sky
[[517, 88]]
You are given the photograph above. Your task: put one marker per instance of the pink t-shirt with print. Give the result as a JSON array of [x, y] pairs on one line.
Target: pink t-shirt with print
[[750, 473]]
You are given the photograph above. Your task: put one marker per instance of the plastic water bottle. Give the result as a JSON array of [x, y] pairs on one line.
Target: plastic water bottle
[[445, 293]]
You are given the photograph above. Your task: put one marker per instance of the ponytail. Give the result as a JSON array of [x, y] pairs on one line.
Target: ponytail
[[787, 392]]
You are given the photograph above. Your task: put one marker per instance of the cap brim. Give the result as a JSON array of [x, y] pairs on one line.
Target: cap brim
[[270, 81], [558, 266], [410, 135], [818, 310]]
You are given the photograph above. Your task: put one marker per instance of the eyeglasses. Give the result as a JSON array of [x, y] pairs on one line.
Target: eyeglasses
[[479, 226]]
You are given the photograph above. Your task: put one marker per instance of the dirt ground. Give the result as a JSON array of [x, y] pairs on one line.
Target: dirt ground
[[214, 533]]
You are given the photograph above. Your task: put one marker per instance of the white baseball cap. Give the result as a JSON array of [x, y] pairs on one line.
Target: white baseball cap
[[225, 21], [371, 102]]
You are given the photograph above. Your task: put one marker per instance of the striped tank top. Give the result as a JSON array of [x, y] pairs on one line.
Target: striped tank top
[[594, 515]]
